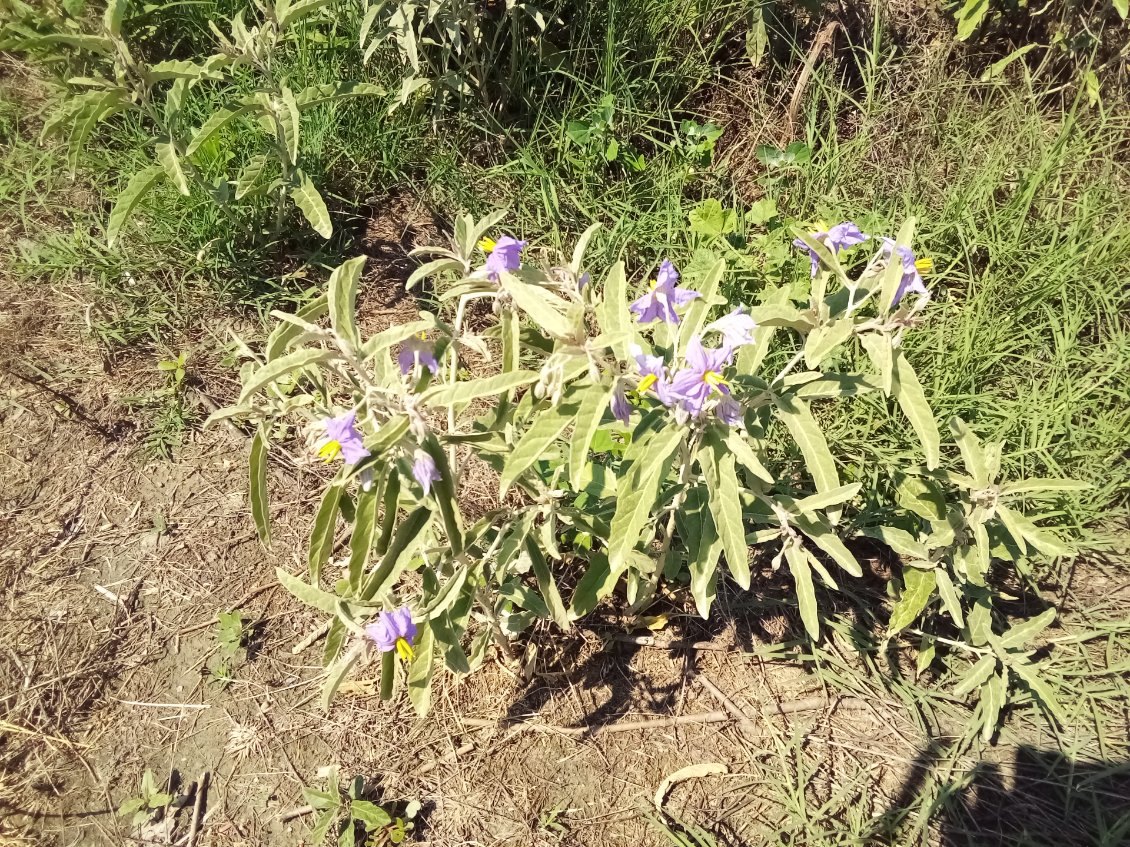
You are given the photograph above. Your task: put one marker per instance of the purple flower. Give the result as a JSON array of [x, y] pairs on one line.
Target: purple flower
[[417, 350], [653, 375], [584, 280], [394, 631], [911, 277], [425, 470], [729, 411], [736, 328], [621, 409], [842, 235], [664, 297], [505, 255], [702, 376], [342, 438]]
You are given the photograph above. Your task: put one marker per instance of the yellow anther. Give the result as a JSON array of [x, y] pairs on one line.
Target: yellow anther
[[487, 244], [647, 382], [713, 379], [925, 266], [330, 450], [404, 650]]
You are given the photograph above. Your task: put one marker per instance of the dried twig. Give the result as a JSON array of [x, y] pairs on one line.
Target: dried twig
[[744, 723], [201, 789], [254, 592], [627, 726], [823, 39]]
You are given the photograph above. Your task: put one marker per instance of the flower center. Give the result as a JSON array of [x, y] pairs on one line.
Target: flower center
[[487, 244], [404, 649], [647, 382], [924, 266], [713, 379], [330, 450], [653, 284]]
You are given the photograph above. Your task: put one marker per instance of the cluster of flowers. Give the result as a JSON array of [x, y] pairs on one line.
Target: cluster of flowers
[[690, 391]]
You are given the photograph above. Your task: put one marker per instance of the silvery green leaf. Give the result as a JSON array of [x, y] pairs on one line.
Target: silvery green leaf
[[546, 584], [981, 671], [581, 246], [912, 399], [899, 540], [979, 622], [971, 452], [745, 454], [825, 338], [695, 318], [216, 121], [825, 499], [310, 202], [290, 122], [516, 592], [993, 695], [699, 535], [317, 95], [420, 671], [638, 489], [322, 535], [592, 404], [472, 389], [750, 356], [179, 69], [272, 371], [297, 10], [1031, 674], [448, 593], [918, 589], [433, 268], [139, 185], [170, 161], [475, 231], [316, 597], [112, 17], [797, 558], [361, 540], [835, 385], [1024, 632], [597, 583], [923, 497], [970, 16], [245, 183], [368, 20], [804, 429], [545, 308], [342, 293], [881, 353], [535, 443], [1021, 527], [612, 313], [950, 599], [336, 674], [260, 503], [824, 537], [725, 505], [284, 333], [1041, 487], [406, 540]]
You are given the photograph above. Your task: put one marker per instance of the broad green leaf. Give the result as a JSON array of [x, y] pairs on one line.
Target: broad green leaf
[[443, 490], [638, 489], [593, 402], [313, 596], [388, 675], [335, 638], [826, 338], [433, 268], [580, 248], [824, 537], [322, 536], [364, 530], [918, 590], [448, 593], [472, 389], [516, 592], [979, 622], [545, 308], [370, 814], [283, 366], [971, 452], [881, 353], [170, 161], [140, 184], [912, 399], [1024, 632], [612, 313], [395, 335], [342, 294], [546, 584], [950, 599], [535, 443], [892, 276], [1021, 528], [179, 69], [833, 385], [797, 558], [981, 554], [420, 671], [1122, 7], [260, 504], [997, 68], [311, 204], [216, 121], [290, 122], [969, 17], [596, 584], [390, 511], [695, 318], [921, 496], [699, 536], [725, 505], [981, 671], [813, 446], [1039, 687], [745, 454], [407, 539], [1038, 487], [993, 695]]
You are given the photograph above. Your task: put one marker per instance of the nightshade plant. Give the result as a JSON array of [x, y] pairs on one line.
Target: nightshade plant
[[629, 427]]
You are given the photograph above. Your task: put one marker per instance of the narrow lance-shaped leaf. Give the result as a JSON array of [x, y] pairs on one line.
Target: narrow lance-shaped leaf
[[971, 451], [544, 307], [322, 536], [407, 539], [912, 399], [473, 389], [534, 443], [342, 293], [612, 314], [1032, 676], [797, 558], [283, 366], [140, 184], [311, 204], [546, 584], [420, 671], [593, 402], [977, 675], [993, 695], [1024, 632], [813, 446], [725, 506], [637, 495], [260, 505], [361, 541], [881, 353], [826, 338], [170, 161], [216, 121]]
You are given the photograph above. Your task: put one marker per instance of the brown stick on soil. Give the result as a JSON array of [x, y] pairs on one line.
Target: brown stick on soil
[[744, 723], [628, 726], [201, 788], [823, 39]]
